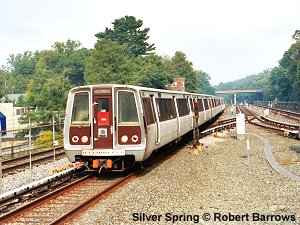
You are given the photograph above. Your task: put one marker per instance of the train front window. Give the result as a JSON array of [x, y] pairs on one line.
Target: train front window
[[127, 111], [80, 113], [103, 105]]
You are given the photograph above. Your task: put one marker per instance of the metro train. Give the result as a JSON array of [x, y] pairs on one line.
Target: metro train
[[114, 127]]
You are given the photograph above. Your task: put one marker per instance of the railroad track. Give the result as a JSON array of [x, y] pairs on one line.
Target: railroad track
[[294, 116], [65, 203], [218, 126], [18, 164], [288, 129]]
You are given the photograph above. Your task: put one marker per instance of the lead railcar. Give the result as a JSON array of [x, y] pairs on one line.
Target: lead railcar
[[115, 126]]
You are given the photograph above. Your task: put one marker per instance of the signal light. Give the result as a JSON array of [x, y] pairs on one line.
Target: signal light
[[95, 164], [196, 104], [109, 163]]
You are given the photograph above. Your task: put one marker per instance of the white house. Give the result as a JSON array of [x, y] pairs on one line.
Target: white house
[[12, 115]]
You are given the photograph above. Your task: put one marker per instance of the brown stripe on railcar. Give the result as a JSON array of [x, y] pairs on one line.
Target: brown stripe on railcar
[[132, 132]]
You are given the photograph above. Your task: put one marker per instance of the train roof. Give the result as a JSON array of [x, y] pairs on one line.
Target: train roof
[[140, 89]]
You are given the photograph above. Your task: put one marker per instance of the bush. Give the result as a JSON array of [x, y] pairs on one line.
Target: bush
[[46, 140]]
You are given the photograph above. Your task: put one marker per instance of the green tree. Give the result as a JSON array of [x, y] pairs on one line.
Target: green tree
[[24, 64], [179, 66], [150, 72], [279, 85], [110, 62], [48, 91], [296, 35], [127, 30], [22, 69], [204, 85], [66, 59], [4, 76], [290, 62]]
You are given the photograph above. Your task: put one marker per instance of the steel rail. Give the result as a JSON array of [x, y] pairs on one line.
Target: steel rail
[[47, 181], [91, 201], [280, 123], [17, 212], [218, 128], [78, 208], [264, 124], [288, 114]]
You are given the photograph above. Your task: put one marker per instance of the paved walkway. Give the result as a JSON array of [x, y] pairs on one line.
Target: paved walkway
[[272, 161]]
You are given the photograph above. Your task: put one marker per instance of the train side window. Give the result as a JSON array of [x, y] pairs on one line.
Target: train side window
[[192, 104], [205, 103], [80, 111], [166, 108], [183, 108], [213, 102], [127, 111], [200, 105], [148, 111]]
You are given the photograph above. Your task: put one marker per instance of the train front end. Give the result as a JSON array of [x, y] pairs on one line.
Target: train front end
[[104, 127]]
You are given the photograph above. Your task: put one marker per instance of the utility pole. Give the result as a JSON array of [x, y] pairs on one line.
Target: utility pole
[[30, 153]]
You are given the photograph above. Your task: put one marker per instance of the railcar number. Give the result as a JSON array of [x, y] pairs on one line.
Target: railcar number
[[104, 152]]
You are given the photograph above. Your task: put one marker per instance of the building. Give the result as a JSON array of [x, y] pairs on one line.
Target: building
[[177, 85], [12, 115], [3, 123]]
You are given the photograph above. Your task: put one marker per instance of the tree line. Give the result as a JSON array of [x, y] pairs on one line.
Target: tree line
[[281, 83], [121, 55]]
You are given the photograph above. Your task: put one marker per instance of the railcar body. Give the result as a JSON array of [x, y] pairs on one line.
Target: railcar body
[[115, 126]]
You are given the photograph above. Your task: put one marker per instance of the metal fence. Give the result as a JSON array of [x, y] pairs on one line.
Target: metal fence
[[28, 140], [32, 137]]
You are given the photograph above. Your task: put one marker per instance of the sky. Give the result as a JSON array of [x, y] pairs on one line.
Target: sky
[[226, 39]]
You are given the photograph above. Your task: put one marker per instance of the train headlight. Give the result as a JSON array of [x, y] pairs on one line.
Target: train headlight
[[134, 138], [75, 139], [124, 138], [84, 139]]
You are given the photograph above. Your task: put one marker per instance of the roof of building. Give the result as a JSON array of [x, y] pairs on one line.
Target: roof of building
[[11, 97]]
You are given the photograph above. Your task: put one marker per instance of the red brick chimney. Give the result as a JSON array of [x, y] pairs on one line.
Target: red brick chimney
[[177, 85]]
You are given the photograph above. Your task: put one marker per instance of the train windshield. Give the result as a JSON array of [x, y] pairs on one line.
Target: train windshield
[[127, 111], [80, 113]]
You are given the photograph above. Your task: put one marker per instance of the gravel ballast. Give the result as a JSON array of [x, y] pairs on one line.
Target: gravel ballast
[[11, 182], [217, 181]]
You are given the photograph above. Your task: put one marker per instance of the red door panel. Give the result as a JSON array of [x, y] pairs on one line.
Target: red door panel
[[103, 137]]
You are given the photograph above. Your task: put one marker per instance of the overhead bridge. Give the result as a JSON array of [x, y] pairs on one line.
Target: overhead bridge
[[241, 91], [238, 91]]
